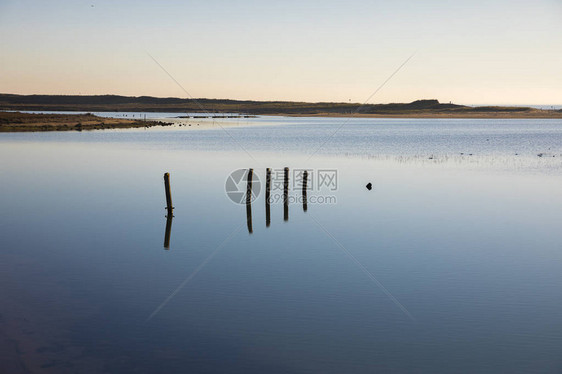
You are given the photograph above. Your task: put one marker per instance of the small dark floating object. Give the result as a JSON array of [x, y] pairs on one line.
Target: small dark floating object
[[540, 154], [369, 186]]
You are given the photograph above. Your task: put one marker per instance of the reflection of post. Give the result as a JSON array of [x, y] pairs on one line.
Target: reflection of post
[[304, 192], [169, 218], [168, 194], [286, 195], [267, 197], [249, 200]]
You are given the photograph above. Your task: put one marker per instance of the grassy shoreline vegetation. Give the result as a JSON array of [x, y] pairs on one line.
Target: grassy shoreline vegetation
[[22, 122], [28, 122], [112, 103]]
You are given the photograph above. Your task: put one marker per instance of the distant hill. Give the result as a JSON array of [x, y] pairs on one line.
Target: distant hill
[[174, 104]]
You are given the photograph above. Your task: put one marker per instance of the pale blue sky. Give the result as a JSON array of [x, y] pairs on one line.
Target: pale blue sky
[[470, 52]]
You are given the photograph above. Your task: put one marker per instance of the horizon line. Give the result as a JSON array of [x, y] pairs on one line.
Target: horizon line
[[283, 101]]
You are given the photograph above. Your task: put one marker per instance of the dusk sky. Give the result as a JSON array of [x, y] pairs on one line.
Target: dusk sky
[[467, 52]]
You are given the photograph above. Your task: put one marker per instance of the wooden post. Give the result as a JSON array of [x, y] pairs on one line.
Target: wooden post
[[304, 191], [249, 186], [267, 197], [249, 200], [168, 194], [286, 195]]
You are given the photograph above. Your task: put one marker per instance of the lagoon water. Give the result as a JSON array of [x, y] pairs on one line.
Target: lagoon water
[[451, 263]]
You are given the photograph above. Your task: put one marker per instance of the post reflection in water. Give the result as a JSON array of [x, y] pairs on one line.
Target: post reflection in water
[[249, 197], [304, 192], [286, 195], [267, 197], [169, 219], [249, 200]]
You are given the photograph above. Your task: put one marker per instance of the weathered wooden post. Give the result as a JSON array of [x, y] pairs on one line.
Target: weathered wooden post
[[249, 200], [249, 186], [304, 191], [286, 195], [168, 194], [267, 197]]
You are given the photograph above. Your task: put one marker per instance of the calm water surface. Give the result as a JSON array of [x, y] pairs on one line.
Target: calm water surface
[[451, 263]]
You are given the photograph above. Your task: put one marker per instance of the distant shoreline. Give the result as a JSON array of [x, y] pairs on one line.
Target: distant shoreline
[[417, 109], [534, 113], [28, 122]]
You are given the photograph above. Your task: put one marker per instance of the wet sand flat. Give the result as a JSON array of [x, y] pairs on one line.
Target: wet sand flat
[[27, 122]]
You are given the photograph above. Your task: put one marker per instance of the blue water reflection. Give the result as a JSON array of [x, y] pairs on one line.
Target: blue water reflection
[[471, 249]]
